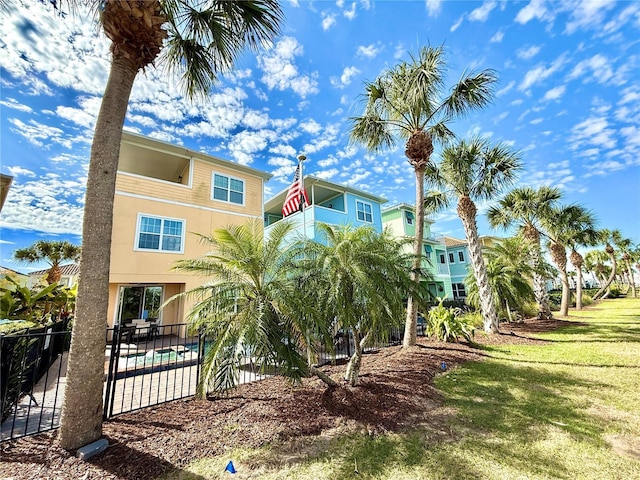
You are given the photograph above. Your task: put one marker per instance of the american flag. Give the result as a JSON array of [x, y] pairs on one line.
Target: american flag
[[296, 196]]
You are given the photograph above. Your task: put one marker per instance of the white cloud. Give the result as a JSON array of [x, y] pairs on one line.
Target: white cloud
[[481, 14], [506, 89], [528, 52], [540, 73], [586, 14], [535, 9], [328, 21], [19, 171], [433, 7], [497, 37], [596, 68], [555, 93], [370, 51], [280, 72], [351, 13], [457, 24], [13, 104], [347, 74]]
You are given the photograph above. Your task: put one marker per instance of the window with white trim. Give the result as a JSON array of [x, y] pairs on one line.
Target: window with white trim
[[227, 189], [458, 291], [364, 211], [160, 234], [409, 217], [442, 259], [461, 256], [451, 257]]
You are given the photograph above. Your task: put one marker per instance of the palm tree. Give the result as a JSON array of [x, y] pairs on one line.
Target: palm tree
[[583, 238], [197, 41], [508, 273], [358, 274], [561, 225], [469, 171], [608, 237], [594, 262], [628, 255], [54, 252], [247, 303], [408, 104], [524, 208]]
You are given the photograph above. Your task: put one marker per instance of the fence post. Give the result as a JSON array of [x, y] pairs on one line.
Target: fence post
[[110, 390], [201, 342]]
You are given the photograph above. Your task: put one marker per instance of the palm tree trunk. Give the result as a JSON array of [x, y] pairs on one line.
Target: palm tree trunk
[[539, 282], [412, 309], [632, 281], [467, 213], [322, 376], [81, 421], [353, 367], [605, 287], [578, 288], [566, 293]]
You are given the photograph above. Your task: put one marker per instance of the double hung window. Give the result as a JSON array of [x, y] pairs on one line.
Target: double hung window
[[364, 211], [228, 189], [160, 234]]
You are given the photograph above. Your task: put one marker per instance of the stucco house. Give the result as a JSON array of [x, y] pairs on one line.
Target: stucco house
[[457, 256], [400, 219], [69, 274], [164, 195]]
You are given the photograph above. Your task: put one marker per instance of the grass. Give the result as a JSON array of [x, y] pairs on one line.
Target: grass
[[566, 409]]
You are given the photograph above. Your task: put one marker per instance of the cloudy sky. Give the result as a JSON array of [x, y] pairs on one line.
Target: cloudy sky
[[568, 99]]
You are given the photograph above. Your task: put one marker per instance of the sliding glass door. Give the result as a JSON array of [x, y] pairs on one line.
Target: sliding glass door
[[139, 301]]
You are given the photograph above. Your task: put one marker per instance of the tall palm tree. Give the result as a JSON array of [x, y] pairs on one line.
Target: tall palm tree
[[561, 225], [197, 41], [625, 246], [524, 208], [248, 302], [408, 103], [608, 237], [54, 252], [508, 273], [594, 262], [583, 238], [358, 274], [469, 171]]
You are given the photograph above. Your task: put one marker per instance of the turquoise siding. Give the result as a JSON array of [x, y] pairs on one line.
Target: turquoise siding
[[459, 268]]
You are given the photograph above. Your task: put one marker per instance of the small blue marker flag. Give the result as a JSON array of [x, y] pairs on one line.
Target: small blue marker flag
[[230, 468], [443, 366]]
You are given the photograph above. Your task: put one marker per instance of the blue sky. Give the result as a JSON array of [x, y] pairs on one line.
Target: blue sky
[[568, 99]]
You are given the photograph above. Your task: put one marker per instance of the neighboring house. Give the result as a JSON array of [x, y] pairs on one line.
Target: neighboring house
[[165, 194], [5, 184], [20, 278], [330, 203], [400, 219], [457, 256], [68, 278]]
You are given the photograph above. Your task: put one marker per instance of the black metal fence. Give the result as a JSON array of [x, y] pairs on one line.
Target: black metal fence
[[144, 366], [31, 364]]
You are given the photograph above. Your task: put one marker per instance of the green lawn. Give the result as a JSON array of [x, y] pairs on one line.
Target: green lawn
[[567, 409]]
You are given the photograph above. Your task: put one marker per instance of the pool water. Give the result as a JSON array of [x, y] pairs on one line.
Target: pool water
[[168, 355]]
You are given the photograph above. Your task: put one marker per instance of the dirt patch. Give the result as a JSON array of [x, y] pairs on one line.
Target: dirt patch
[[396, 392], [624, 445]]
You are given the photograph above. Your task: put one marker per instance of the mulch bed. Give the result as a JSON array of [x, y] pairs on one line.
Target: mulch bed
[[396, 391]]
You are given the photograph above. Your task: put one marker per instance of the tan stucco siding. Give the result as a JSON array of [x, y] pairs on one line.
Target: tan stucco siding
[[200, 191]]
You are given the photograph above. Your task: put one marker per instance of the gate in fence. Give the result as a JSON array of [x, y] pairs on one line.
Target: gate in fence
[[145, 365]]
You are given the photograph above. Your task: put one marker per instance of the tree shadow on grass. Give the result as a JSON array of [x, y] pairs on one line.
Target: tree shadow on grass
[[496, 402]]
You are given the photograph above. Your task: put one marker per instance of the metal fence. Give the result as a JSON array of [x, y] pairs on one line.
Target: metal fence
[[143, 367], [31, 365]]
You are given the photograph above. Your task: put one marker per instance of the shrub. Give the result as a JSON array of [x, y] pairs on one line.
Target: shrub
[[586, 300], [446, 324]]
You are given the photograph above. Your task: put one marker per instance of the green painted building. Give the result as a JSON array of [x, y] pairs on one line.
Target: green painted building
[[400, 220]]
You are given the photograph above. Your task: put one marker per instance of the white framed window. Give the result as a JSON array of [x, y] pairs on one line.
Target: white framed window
[[451, 258], [458, 291], [227, 189], [409, 217], [461, 256], [159, 234], [442, 258], [364, 211]]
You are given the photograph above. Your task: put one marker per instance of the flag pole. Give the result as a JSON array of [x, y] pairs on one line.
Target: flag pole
[[301, 159]]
